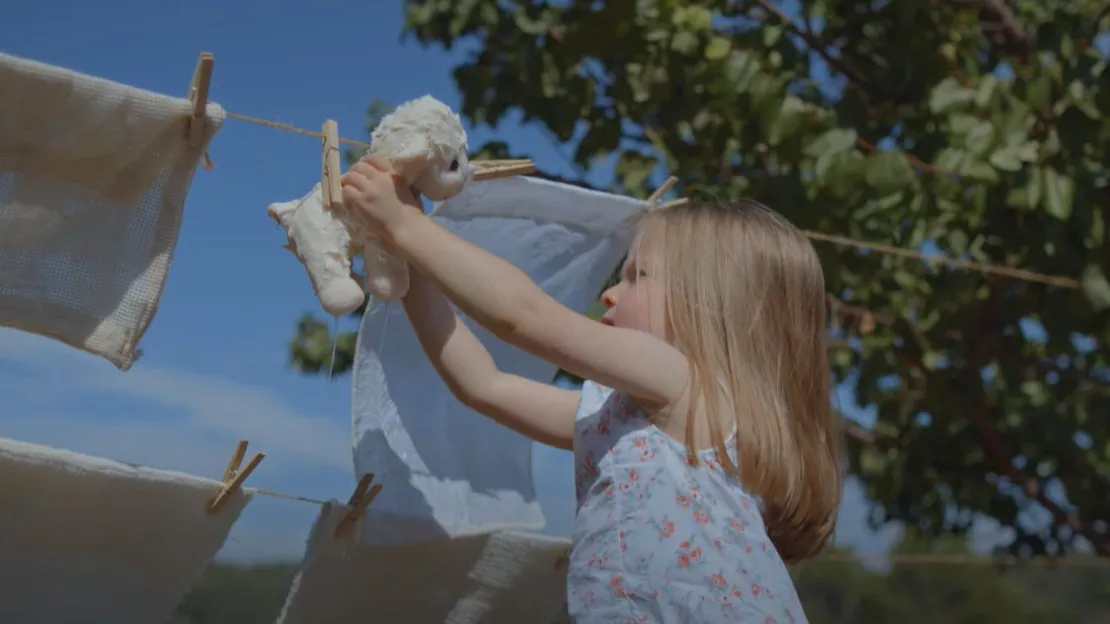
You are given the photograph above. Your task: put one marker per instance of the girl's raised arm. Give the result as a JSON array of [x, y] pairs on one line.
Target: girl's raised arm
[[540, 411], [504, 299]]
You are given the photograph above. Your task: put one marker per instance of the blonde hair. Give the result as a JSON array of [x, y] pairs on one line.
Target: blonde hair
[[746, 305]]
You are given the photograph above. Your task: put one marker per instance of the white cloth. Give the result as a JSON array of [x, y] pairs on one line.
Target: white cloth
[[483, 579], [448, 470], [93, 179], [85, 539]]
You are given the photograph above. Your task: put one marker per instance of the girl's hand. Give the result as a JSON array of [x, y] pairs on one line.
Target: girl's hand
[[373, 192]]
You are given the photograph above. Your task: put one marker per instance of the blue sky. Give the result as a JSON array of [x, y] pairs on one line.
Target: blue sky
[[214, 369]]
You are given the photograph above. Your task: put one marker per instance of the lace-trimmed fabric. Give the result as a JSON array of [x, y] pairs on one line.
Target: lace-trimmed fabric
[[660, 540]]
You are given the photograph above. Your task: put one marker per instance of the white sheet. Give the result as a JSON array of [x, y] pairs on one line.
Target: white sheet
[[85, 539], [503, 577], [446, 469]]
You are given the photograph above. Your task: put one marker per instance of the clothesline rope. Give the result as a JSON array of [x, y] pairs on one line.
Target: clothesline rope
[[956, 263]]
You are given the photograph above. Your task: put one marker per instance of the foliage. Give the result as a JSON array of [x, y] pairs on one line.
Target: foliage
[[976, 127], [840, 591]]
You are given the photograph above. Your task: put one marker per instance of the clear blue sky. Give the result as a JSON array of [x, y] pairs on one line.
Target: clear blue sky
[[215, 358]]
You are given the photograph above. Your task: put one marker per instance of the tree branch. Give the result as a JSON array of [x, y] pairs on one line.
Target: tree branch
[[992, 441], [822, 49]]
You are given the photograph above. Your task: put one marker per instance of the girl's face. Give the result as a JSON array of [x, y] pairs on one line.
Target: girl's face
[[637, 300]]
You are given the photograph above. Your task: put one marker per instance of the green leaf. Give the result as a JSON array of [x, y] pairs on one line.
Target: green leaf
[[771, 34], [718, 48], [888, 172], [949, 94], [788, 121], [979, 171], [835, 140], [979, 139], [1007, 158], [742, 67], [1096, 287], [684, 42], [1059, 192]]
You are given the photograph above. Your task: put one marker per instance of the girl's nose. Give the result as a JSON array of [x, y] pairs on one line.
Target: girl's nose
[[608, 298]]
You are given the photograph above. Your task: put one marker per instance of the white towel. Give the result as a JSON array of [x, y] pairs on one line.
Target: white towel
[[446, 469], [85, 539], [502, 577], [93, 178]]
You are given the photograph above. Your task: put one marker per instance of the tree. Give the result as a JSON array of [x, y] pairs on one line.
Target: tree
[[977, 128]]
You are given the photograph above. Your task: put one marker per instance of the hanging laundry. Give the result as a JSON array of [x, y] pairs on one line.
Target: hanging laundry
[[93, 179], [85, 539], [496, 578], [448, 470]]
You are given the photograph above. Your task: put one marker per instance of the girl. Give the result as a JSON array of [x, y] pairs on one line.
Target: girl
[[705, 448]]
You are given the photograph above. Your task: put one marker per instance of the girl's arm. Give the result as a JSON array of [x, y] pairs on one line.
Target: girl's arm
[[540, 411], [504, 299]]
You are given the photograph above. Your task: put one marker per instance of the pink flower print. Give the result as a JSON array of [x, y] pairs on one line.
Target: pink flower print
[[618, 589], [682, 501], [735, 592], [685, 545], [736, 524], [626, 411], [769, 620], [701, 517], [667, 528], [589, 468], [695, 554], [633, 475], [683, 560], [755, 590], [718, 581], [603, 426], [639, 442]]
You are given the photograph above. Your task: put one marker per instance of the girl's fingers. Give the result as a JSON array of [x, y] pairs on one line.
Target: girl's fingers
[[378, 161], [355, 179]]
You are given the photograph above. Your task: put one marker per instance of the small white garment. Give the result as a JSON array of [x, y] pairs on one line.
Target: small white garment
[[86, 539], [448, 470], [496, 578], [93, 179]]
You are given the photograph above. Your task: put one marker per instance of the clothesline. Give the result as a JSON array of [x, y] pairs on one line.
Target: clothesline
[[956, 263]]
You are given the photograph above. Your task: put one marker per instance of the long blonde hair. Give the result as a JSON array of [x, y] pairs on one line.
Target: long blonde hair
[[746, 305]]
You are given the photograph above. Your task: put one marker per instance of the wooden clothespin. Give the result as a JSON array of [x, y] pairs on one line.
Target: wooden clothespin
[[358, 503], [658, 193], [198, 95], [494, 169], [333, 192], [233, 476]]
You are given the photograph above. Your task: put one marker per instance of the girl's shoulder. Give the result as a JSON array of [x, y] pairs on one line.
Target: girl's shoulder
[[593, 397]]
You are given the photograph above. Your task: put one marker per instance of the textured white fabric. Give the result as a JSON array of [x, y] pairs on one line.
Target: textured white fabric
[[496, 578], [85, 539], [93, 179], [450, 471]]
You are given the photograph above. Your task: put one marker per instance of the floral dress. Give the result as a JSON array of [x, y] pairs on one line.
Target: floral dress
[[658, 540]]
